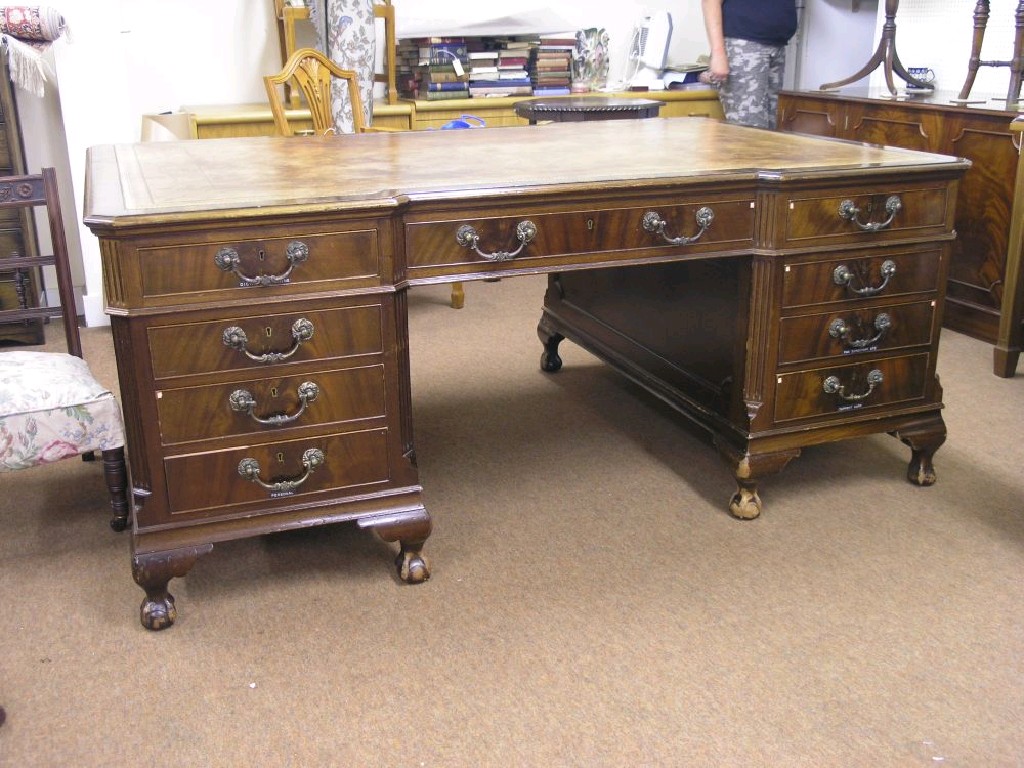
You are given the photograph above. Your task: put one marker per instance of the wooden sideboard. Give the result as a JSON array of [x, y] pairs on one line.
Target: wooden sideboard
[[977, 131], [220, 121], [779, 290]]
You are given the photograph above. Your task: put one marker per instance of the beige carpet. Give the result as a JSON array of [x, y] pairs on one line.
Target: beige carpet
[[592, 603]]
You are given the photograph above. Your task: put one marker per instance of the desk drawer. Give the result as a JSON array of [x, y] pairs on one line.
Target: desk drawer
[[591, 236], [858, 331], [860, 275], [192, 272], [249, 407], [867, 214], [211, 484], [839, 389], [222, 344]]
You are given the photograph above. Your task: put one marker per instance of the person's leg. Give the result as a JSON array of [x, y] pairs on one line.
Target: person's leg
[[744, 94], [776, 73]]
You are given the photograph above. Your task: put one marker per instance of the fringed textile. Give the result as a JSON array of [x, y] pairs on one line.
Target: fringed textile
[[26, 31]]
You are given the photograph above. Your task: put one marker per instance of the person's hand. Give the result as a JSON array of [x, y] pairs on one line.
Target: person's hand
[[718, 69]]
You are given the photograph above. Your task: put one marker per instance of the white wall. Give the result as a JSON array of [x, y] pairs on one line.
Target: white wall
[[126, 58]]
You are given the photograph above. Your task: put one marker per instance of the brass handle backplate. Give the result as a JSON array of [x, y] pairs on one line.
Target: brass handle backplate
[[242, 401], [849, 211], [843, 275], [838, 329], [654, 223], [312, 459], [467, 237], [833, 386], [228, 260], [236, 338]]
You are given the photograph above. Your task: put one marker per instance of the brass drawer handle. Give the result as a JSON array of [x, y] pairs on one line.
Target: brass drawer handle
[[843, 275], [833, 386], [312, 459], [242, 401], [849, 211], [227, 259], [653, 222], [234, 337], [467, 237], [838, 329]]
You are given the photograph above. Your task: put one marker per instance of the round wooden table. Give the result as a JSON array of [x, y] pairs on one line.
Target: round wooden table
[[577, 109]]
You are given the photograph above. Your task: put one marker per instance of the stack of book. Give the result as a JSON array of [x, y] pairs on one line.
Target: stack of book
[[550, 65], [440, 69], [500, 68]]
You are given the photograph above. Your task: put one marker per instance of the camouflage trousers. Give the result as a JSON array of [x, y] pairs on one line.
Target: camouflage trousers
[[750, 95]]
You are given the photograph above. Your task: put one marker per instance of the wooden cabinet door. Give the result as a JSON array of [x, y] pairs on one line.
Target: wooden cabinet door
[[893, 124], [819, 117]]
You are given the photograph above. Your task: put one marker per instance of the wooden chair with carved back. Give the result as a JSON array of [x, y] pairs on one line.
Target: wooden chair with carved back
[[51, 405]]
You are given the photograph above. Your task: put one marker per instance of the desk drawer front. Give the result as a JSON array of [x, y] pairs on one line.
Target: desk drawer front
[[584, 236], [228, 344], [853, 332], [249, 407], [195, 272], [864, 215], [860, 276], [838, 389], [210, 484]]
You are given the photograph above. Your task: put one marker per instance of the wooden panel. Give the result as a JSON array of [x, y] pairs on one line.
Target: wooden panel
[[813, 116], [191, 348], [802, 395], [189, 272], [894, 125], [814, 282], [597, 234], [208, 485], [849, 332], [346, 395]]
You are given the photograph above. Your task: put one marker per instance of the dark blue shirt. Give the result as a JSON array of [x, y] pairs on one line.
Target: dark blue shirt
[[771, 22]]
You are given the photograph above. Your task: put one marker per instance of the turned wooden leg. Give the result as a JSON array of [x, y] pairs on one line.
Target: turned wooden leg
[[410, 530], [116, 475], [458, 299], [549, 359], [924, 438], [152, 571], [749, 469]]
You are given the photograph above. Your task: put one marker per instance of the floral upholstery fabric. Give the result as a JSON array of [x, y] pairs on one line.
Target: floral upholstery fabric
[[52, 408]]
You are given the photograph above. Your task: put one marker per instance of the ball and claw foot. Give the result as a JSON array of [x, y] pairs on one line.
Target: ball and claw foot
[[550, 362], [920, 470], [157, 614], [745, 503], [412, 567]]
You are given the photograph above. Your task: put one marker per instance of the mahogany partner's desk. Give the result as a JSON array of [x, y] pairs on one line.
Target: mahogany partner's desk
[[780, 290]]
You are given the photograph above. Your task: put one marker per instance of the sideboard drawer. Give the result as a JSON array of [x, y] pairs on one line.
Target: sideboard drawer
[[587, 236], [867, 214], [212, 484], [230, 343], [855, 331], [262, 406], [838, 389], [191, 272], [855, 275]]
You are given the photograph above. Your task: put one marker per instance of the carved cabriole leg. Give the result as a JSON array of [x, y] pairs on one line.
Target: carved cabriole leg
[[116, 475], [749, 469], [152, 571], [410, 530], [550, 338], [924, 438]]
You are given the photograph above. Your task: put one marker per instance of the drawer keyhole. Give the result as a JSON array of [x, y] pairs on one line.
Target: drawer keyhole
[[273, 391], [268, 331], [261, 254], [280, 458], [590, 225]]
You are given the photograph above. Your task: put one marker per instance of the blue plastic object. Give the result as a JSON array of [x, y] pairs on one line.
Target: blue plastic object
[[465, 121]]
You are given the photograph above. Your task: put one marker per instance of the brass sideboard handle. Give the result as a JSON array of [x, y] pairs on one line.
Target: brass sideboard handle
[[467, 237], [848, 210], [833, 386], [234, 337], [242, 401], [838, 329], [653, 222], [312, 459], [843, 275], [228, 260]]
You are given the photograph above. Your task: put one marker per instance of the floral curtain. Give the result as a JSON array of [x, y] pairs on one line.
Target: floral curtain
[[347, 34]]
